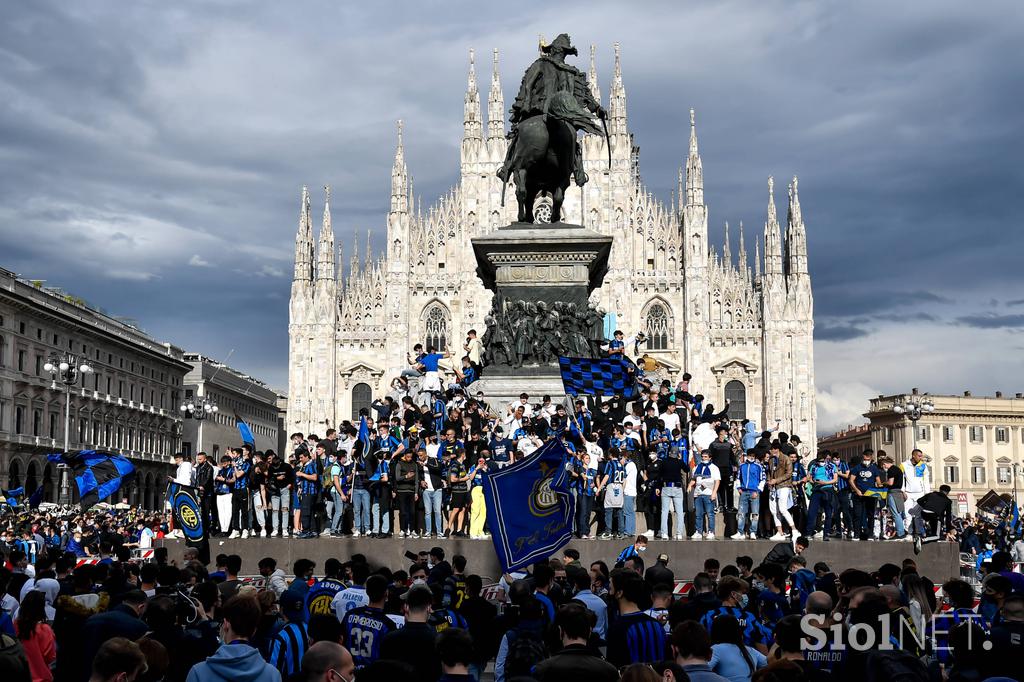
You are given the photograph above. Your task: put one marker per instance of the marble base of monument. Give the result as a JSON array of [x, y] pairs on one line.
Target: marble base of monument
[[499, 390]]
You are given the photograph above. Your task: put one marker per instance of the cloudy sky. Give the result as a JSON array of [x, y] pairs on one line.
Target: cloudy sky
[[151, 155]]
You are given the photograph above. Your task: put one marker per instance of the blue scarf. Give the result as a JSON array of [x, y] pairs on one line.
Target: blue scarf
[[703, 470]]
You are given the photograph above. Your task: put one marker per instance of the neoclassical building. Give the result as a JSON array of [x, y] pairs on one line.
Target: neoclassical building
[[742, 327]]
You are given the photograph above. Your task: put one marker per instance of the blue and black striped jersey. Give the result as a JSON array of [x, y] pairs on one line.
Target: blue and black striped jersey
[[754, 632], [635, 638], [288, 647]]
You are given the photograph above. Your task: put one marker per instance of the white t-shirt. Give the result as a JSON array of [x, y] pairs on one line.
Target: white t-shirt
[[184, 474], [634, 420], [596, 455], [629, 487], [432, 450], [705, 484], [671, 420], [527, 407], [526, 446], [348, 599], [146, 538]]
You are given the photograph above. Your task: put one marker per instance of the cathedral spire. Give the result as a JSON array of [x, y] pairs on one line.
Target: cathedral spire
[[495, 105], [472, 127], [325, 255], [304, 242], [796, 234], [400, 184], [353, 267], [595, 89], [744, 265], [757, 260], [617, 99], [726, 249], [369, 250], [694, 167], [772, 246]]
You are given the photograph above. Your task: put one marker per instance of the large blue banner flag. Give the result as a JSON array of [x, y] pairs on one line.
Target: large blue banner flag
[[98, 474], [530, 507], [614, 375], [364, 435]]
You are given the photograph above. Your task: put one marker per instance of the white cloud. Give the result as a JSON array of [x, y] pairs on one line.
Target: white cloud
[[270, 271], [198, 261], [842, 404]]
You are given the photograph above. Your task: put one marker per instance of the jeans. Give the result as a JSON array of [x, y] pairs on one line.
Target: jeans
[[895, 504], [361, 510], [380, 512], [406, 511], [432, 508], [844, 512], [240, 509], [280, 502], [672, 500], [306, 508], [705, 509], [584, 504], [257, 511], [629, 514], [825, 499], [608, 511], [748, 505], [338, 515], [864, 515]]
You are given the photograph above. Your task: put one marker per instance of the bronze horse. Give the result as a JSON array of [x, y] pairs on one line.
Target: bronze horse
[[542, 161]]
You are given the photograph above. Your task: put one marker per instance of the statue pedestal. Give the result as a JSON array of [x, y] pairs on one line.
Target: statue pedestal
[[557, 262], [550, 271]]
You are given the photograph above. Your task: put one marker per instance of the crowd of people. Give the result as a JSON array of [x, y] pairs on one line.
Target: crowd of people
[[564, 619], [662, 459]]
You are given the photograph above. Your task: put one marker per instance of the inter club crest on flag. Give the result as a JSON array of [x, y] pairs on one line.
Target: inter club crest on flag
[[539, 483]]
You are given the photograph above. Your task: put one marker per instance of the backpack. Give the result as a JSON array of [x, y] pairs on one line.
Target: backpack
[[895, 666], [13, 662], [526, 648]]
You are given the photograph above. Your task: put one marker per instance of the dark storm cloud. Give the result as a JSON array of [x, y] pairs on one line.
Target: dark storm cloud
[[165, 144], [838, 332], [992, 321]]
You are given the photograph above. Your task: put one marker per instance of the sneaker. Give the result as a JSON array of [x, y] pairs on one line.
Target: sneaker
[[245, 535], [355, 533], [414, 535], [738, 536], [679, 537], [779, 536], [917, 544], [697, 536], [709, 536], [817, 536], [232, 535], [584, 537], [605, 536], [278, 534], [401, 534], [753, 536]]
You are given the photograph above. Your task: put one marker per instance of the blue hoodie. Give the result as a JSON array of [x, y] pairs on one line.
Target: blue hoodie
[[234, 662], [750, 435]]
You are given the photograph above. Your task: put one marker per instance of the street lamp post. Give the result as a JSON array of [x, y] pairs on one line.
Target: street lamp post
[[66, 368], [198, 408], [913, 407]]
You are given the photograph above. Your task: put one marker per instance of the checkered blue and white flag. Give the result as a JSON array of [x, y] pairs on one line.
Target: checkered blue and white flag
[[615, 375]]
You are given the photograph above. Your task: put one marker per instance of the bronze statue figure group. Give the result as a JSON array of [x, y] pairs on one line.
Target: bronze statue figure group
[[522, 332], [554, 102]]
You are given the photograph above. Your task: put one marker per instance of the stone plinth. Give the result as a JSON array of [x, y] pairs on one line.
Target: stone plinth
[[557, 262]]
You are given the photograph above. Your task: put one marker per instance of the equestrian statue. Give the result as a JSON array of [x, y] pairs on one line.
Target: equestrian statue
[[554, 102]]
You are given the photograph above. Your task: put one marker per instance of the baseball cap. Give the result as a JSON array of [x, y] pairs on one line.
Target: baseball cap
[[663, 557], [291, 604]]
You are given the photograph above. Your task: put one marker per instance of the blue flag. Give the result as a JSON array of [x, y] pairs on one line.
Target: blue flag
[[98, 474], [614, 375], [1016, 520], [364, 435], [36, 498], [187, 507], [245, 431], [530, 508]]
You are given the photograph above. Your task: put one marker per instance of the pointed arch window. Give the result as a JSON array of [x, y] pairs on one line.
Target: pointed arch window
[[736, 394], [658, 326], [435, 326], [362, 396]]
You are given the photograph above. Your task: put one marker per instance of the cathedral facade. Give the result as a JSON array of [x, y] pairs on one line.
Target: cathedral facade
[[742, 328]]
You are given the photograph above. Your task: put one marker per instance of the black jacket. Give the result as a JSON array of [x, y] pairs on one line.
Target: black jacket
[[204, 477], [576, 663], [659, 574], [721, 456]]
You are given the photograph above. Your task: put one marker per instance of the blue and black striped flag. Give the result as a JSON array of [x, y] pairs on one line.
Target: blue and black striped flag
[[364, 435], [98, 474], [615, 375], [36, 498]]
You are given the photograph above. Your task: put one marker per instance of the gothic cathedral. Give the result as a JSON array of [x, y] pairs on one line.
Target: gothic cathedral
[[744, 333]]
